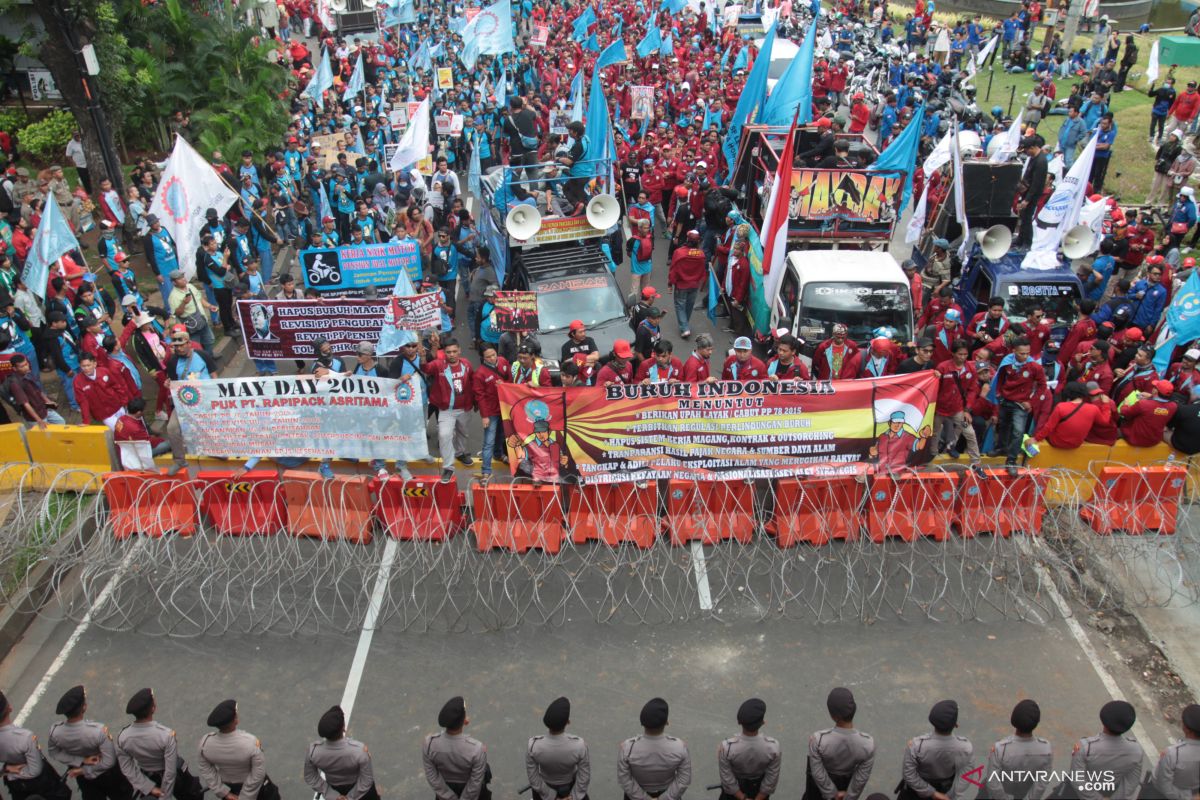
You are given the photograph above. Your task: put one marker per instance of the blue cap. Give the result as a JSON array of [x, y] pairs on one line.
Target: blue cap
[[953, 314], [942, 243], [897, 416]]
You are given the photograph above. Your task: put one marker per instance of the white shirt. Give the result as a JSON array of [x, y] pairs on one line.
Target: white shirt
[[76, 154]]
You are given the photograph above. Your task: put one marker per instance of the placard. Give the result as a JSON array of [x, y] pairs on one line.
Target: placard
[[330, 144], [541, 34], [445, 78], [516, 311], [642, 98], [418, 312], [448, 124], [288, 329], [559, 120], [334, 269]]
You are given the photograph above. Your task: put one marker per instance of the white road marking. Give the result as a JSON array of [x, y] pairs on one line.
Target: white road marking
[[368, 628], [78, 633], [701, 569]]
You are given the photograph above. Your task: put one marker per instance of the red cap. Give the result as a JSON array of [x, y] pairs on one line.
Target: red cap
[[621, 349], [328, 219], [650, 293], [1164, 387], [119, 257], [577, 325], [179, 327], [1134, 335]]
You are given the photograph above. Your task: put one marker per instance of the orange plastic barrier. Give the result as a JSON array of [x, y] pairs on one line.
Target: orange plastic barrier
[[1136, 500], [710, 511], [150, 504], [817, 510], [1001, 504], [517, 517], [911, 504], [614, 513], [252, 504], [327, 509], [423, 508]]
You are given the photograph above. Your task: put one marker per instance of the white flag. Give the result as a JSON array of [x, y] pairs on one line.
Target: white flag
[[1152, 67], [960, 197], [1092, 215], [939, 156], [414, 145], [189, 187], [917, 223], [1061, 212], [1010, 142], [986, 52]]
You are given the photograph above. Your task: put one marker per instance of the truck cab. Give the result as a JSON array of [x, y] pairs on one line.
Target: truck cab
[[861, 289]]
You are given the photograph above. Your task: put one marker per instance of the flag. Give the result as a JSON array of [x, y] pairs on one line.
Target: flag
[[501, 92], [52, 239], [392, 338], [653, 38], [357, 81], [188, 186], [414, 145], [321, 80], [582, 24], [1152, 67], [592, 44], [598, 130], [751, 98], [468, 55], [668, 43], [423, 58], [939, 156], [613, 54], [326, 209], [474, 171], [901, 154], [1010, 141], [986, 52], [577, 97], [714, 292], [793, 91], [775, 220], [1182, 322], [743, 58], [725, 57], [405, 14], [917, 223], [1060, 212], [960, 194], [491, 31], [674, 6]]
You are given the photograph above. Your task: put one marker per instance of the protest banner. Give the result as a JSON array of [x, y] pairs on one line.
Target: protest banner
[[516, 311], [559, 120], [300, 416], [287, 329], [642, 98], [417, 312], [541, 34], [357, 266], [729, 430]]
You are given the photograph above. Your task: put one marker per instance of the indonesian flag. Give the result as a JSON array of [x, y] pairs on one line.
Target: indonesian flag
[[775, 222]]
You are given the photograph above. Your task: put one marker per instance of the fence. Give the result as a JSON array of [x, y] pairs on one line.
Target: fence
[[293, 554]]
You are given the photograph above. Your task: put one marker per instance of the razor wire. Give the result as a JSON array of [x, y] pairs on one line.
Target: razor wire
[[64, 544]]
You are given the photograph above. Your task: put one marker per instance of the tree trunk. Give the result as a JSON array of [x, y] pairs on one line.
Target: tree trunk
[[57, 54]]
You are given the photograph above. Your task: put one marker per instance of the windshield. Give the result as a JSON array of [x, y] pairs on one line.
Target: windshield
[[862, 307], [591, 298], [1056, 298], [777, 67]]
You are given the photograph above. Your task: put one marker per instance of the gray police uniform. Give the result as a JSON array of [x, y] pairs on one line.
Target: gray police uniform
[[935, 762], [1018, 753], [71, 742], [839, 760], [37, 777], [1177, 776], [749, 763], [148, 755], [558, 766], [1120, 755], [456, 766], [346, 763], [233, 763], [654, 766]]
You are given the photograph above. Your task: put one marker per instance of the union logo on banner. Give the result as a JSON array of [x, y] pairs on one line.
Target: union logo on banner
[[175, 200]]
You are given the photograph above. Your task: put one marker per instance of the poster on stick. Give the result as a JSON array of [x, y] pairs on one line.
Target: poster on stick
[[516, 311]]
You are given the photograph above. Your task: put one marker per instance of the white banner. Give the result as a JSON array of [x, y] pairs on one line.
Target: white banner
[[338, 417], [1061, 212], [189, 186], [1010, 141]]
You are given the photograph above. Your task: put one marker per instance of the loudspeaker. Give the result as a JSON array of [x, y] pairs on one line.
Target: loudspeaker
[[989, 190], [523, 222], [994, 242], [603, 212], [1078, 242]]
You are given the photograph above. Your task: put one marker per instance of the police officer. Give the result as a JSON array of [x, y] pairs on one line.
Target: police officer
[[1113, 750], [749, 762], [456, 765], [231, 761], [148, 754], [935, 762], [1022, 752], [87, 750], [346, 762], [840, 759], [558, 764], [1177, 776], [654, 764], [26, 771]]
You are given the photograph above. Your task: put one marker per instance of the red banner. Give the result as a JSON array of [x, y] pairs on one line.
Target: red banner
[[718, 431], [516, 311], [418, 312]]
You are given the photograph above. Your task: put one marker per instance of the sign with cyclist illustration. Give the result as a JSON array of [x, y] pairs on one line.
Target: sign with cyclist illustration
[[356, 267]]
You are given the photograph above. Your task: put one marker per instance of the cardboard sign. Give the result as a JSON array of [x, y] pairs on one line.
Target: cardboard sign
[[541, 34], [330, 144], [448, 124]]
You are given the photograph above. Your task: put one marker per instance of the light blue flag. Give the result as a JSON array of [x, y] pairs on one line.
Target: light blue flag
[[650, 43], [712, 116], [577, 97], [742, 59], [667, 45], [1182, 326], [357, 81], [392, 338], [475, 171], [405, 14], [52, 239], [422, 59], [360, 146], [713, 293], [725, 57], [794, 89], [901, 154], [613, 54], [598, 130], [579, 29], [458, 24], [501, 91], [321, 80], [491, 31], [592, 44], [751, 98], [469, 53], [326, 208], [674, 6]]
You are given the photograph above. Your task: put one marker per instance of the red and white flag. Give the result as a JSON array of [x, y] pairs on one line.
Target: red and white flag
[[775, 222]]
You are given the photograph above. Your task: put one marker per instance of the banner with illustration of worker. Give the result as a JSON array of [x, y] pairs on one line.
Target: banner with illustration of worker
[[718, 431], [300, 416], [289, 329], [846, 195]]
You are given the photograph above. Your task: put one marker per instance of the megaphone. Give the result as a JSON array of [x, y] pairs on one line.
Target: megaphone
[[994, 242], [523, 222], [337, 6], [1078, 242], [603, 212], [370, 3]]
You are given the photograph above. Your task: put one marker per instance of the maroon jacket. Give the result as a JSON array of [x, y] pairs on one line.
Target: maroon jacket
[[100, 396], [486, 383], [1021, 383], [440, 390]]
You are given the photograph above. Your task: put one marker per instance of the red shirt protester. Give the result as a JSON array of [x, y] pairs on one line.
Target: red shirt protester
[[688, 268], [1143, 423], [1021, 382], [100, 395], [695, 368], [485, 382], [1070, 423], [957, 389], [450, 385]]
